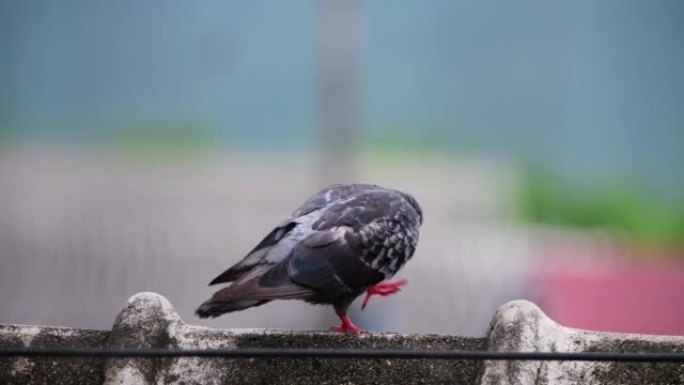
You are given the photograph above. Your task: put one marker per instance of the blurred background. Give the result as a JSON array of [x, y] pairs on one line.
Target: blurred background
[[147, 146]]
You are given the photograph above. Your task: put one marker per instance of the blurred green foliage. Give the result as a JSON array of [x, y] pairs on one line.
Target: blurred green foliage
[[395, 152], [6, 131], [624, 208], [162, 141]]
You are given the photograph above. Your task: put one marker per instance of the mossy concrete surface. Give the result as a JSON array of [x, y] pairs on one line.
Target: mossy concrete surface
[[23, 370], [520, 326], [149, 321]]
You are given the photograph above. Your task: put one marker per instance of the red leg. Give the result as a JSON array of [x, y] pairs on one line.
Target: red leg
[[347, 325], [384, 289]]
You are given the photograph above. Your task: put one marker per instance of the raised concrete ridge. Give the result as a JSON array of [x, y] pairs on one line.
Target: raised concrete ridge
[[148, 320]]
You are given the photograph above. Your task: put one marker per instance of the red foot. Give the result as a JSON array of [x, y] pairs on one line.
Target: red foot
[[347, 325], [384, 289]]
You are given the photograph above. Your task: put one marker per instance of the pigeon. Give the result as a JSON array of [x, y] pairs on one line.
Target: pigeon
[[345, 240]]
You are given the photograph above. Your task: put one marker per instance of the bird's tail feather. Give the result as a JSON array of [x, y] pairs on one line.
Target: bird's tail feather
[[253, 290], [213, 308]]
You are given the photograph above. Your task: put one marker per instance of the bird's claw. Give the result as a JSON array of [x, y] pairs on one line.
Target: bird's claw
[[347, 328], [384, 289], [347, 325]]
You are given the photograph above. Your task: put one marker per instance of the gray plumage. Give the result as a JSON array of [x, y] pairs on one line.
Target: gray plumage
[[341, 241]]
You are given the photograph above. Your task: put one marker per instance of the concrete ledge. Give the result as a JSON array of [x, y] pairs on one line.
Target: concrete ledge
[[22, 370], [148, 320], [521, 326]]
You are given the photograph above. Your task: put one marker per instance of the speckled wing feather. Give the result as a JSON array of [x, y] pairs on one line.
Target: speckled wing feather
[[387, 223], [350, 249], [291, 230], [327, 263], [257, 254]]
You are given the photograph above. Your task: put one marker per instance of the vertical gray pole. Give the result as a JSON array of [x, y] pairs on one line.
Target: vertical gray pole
[[337, 50]]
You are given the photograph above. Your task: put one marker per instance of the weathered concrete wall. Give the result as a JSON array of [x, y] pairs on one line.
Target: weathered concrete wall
[[522, 327], [149, 321], [22, 370]]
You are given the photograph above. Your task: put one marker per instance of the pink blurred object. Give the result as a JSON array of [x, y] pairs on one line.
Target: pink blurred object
[[627, 296]]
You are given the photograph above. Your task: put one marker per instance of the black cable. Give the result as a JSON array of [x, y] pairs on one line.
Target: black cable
[[346, 353]]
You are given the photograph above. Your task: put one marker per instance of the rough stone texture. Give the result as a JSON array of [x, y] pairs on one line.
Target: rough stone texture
[[22, 370], [360, 371], [149, 321], [522, 326]]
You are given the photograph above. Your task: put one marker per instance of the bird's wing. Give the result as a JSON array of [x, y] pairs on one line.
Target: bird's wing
[[257, 254], [332, 194], [331, 263], [336, 259], [254, 289], [318, 201], [326, 264]]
